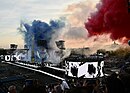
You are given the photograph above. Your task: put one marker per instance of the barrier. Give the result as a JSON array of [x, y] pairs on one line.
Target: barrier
[[54, 76]]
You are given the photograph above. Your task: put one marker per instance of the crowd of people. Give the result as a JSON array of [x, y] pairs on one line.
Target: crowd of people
[[109, 84]]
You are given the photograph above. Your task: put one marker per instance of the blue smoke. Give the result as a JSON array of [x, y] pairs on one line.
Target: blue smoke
[[39, 30]]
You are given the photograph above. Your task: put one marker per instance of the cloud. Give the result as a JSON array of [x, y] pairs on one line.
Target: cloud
[[78, 13], [12, 11], [76, 36]]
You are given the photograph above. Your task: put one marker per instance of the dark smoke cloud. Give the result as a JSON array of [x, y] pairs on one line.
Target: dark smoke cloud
[[111, 17]]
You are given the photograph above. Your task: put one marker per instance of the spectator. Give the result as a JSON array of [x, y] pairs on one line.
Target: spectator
[[58, 88], [12, 89], [64, 85], [114, 84]]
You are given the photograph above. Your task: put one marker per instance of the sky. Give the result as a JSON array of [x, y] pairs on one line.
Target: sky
[[13, 11]]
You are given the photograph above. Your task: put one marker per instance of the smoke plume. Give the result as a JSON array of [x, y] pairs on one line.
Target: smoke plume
[[90, 23], [105, 21], [111, 17], [76, 17], [39, 30]]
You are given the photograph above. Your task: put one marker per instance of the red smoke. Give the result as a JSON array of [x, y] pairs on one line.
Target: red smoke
[[112, 17]]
